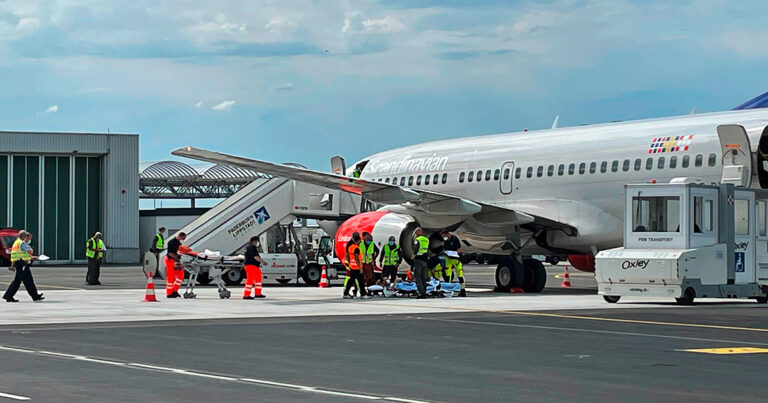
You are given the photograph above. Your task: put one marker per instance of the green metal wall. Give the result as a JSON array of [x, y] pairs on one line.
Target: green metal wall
[[87, 201]]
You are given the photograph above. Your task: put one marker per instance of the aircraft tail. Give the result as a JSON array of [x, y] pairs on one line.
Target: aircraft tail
[[760, 101]]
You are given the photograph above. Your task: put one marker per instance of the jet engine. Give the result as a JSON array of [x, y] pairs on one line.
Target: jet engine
[[382, 225]]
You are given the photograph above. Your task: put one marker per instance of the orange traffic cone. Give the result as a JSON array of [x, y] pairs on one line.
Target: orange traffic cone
[[324, 279], [566, 279], [150, 295]]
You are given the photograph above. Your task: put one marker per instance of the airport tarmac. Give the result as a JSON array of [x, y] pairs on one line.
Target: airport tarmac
[[306, 344]]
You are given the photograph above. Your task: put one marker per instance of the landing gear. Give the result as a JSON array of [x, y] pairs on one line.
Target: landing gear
[[688, 295], [509, 274], [534, 276]]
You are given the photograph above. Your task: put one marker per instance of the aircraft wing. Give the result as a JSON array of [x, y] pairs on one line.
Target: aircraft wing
[[378, 192]]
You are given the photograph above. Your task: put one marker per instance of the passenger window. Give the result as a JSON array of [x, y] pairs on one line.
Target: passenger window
[[394, 181], [699, 160], [540, 171], [418, 180], [560, 170], [386, 180], [604, 167], [479, 176], [410, 181], [649, 164], [550, 170], [444, 179], [402, 181], [571, 169], [506, 173], [741, 217], [615, 166], [638, 164], [712, 160], [672, 162], [702, 214], [529, 172], [582, 168], [426, 179], [517, 174], [592, 167], [496, 174], [660, 165], [488, 175], [626, 165], [471, 176], [686, 161], [461, 177]]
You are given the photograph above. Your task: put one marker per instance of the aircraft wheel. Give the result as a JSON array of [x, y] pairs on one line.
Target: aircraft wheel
[[534, 276], [509, 274], [611, 299], [688, 295]]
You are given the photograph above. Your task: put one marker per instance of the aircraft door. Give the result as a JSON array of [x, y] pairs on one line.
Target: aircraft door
[[736, 155], [744, 223], [762, 159], [761, 244], [506, 181]]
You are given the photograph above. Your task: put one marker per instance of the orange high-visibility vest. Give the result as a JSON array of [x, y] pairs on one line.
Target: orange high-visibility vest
[[353, 265]]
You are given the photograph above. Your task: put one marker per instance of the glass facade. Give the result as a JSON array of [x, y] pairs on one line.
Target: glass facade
[[57, 198]]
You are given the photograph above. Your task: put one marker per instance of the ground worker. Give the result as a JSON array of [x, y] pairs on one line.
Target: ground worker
[[355, 237], [94, 251], [453, 259], [253, 264], [174, 272], [158, 246], [354, 262], [21, 258], [389, 260], [421, 246], [435, 267], [369, 252]]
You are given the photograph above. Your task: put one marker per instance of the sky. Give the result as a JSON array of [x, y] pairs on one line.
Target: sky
[[302, 81]]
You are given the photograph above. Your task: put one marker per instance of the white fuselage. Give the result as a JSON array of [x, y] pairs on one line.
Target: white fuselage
[[590, 200]]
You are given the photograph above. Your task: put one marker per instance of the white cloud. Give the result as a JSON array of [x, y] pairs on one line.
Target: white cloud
[[222, 24], [283, 87], [224, 106], [52, 109], [278, 23], [355, 22], [199, 104], [27, 25]]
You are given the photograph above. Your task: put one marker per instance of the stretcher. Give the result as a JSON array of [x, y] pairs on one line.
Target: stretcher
[[440, 289], [215, 265]]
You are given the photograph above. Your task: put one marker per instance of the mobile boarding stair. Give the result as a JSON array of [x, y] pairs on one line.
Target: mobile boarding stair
[[687, 240], [264, 203]]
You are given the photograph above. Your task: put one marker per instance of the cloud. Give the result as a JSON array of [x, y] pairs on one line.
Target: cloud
[[224, 106], [283, 87], [355, 22], [466, 54], [52, 109], [278, 23], [222, 24], [199, 104]]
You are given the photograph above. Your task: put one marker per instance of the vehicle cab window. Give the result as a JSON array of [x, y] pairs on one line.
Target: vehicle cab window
[[656, 214]]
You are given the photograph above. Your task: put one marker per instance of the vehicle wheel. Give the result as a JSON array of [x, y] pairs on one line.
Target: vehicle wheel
[[534, 276], [283, 280], [480, 259], [688, 295], [553, 260], [611, 299], [233, 276], [204, 279], [466, 258], [509, 274], [761, 300], [311, 274]]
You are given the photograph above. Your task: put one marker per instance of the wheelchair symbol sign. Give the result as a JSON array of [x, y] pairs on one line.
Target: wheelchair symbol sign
[[740, 262]]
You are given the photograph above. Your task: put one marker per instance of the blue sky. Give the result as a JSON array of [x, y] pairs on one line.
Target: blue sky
[[305, 80]]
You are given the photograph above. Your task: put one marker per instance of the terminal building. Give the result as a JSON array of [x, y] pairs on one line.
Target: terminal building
[[63, 187]]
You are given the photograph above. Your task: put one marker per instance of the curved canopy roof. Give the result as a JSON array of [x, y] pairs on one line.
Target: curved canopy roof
[[176, 179]]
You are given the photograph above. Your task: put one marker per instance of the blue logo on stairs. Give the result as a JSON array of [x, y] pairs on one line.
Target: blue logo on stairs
[[261, 215]]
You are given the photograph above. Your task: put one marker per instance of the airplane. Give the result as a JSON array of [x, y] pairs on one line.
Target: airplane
[[550, 192]]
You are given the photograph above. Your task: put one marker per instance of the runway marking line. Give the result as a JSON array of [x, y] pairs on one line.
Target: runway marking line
[[728, 350], [14, 397], [593, 318], [187, 372]]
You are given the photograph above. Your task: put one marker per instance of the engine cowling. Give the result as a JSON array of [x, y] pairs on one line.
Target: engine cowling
[[381, 225], [582, 262]]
